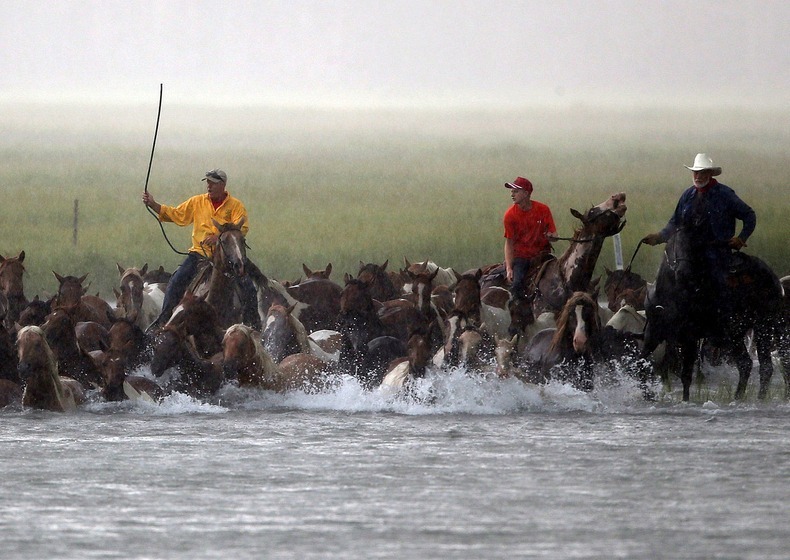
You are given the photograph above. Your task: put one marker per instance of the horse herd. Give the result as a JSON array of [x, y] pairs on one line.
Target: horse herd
[[385, 328]]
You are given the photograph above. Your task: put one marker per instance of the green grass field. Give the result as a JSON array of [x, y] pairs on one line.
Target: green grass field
[[345, 186]]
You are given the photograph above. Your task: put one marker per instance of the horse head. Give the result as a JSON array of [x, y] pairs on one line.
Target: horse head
[[129, 301], [605, 219], [577, 324], [11, 274], [379, 282], [70, 289], [231, 251]]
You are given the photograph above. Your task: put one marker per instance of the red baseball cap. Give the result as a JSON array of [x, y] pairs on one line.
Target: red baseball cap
[[520, 183]]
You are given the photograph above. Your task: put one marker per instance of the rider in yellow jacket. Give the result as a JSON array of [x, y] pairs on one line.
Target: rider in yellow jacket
[[199, 210]]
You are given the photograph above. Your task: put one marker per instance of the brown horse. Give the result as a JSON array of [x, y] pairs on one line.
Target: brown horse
[[414, 365], [317, 274], [218, 280], [200, 321], [567, 351], [72, 297], [35, 312], [379, 283], [320, 302], [245, 360], [572, 272], [11, 286], [115, 368], [72, 360], [197, 376], [623, 287], [44, 388]]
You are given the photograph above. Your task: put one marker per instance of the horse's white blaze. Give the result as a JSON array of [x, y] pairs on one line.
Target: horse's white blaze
[[580, 332], [452, 327], [269, 320]]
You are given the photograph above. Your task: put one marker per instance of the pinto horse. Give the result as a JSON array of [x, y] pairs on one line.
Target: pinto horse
[[567, 351], [44, 388], [572, 272], [136, 300], [680, 310], [11, 286], [489, 318]]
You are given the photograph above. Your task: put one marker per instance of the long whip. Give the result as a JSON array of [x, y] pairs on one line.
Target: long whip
[[148, 175]]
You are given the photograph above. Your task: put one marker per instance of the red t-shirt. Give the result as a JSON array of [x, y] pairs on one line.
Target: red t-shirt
[[528, 229]]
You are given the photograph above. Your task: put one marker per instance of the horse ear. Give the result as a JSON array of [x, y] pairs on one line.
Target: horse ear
[[405, 260], [144, 269], [435, 272], [328, 269], [479, 274], [291, 307], [83, 277], [21, 256], [361, 266], [578, 215], [120, 269], [58, 276], [307, 272], [384, 266], [346, 278], [457, 276]]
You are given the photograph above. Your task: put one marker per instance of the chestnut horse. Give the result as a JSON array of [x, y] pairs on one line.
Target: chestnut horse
[[572, 272], [11, 286], [44, 388], [72, 297], [72, 360], [245, 360]]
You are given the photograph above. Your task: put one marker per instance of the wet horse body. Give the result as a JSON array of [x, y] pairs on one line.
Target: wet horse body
[[137, 300], [572, 272], [680, 311], [43, 387]]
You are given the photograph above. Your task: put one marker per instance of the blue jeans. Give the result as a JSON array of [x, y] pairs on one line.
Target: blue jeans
[[178, 285], [520, 269]]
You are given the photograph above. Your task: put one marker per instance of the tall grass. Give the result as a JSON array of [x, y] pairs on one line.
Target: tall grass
[[348, 186]]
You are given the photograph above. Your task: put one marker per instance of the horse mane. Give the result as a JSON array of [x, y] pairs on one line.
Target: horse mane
[[51, 362], [301, 332], [265, 361], [578, 298]]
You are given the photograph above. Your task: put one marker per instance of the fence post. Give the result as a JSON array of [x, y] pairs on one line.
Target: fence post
[[76, 219]]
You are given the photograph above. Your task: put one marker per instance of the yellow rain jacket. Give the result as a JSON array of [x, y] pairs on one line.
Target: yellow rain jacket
[[199, 212]]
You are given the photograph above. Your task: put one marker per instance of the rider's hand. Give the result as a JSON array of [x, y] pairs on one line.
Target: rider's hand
[[736, 243], [652, 239]]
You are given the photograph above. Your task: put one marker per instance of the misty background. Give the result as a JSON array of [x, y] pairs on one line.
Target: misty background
[[406, 52]]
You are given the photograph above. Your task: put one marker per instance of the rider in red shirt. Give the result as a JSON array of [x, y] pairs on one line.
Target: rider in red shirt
[[529, 230]]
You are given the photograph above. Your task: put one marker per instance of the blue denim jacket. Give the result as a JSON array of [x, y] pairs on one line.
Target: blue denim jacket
[[724, 207]]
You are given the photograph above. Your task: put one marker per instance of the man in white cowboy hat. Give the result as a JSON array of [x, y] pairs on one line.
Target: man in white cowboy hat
[[529, 229], [711, 210], [201, 211]]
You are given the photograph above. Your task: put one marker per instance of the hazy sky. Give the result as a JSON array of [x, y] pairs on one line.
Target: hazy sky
[[401, 51]]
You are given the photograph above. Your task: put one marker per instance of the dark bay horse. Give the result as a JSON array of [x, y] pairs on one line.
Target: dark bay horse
[[11, 285], [572, 272], [680, 310], [73, 361], [378, 281], [81, 306]]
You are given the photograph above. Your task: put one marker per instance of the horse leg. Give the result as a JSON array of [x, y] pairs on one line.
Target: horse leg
[[689, 350], [744, 363], [766, 364]]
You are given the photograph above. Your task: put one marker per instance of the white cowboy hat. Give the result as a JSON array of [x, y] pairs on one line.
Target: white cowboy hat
[[703, 162]]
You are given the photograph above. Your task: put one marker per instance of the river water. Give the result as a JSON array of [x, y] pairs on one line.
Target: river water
[[467, 467]]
